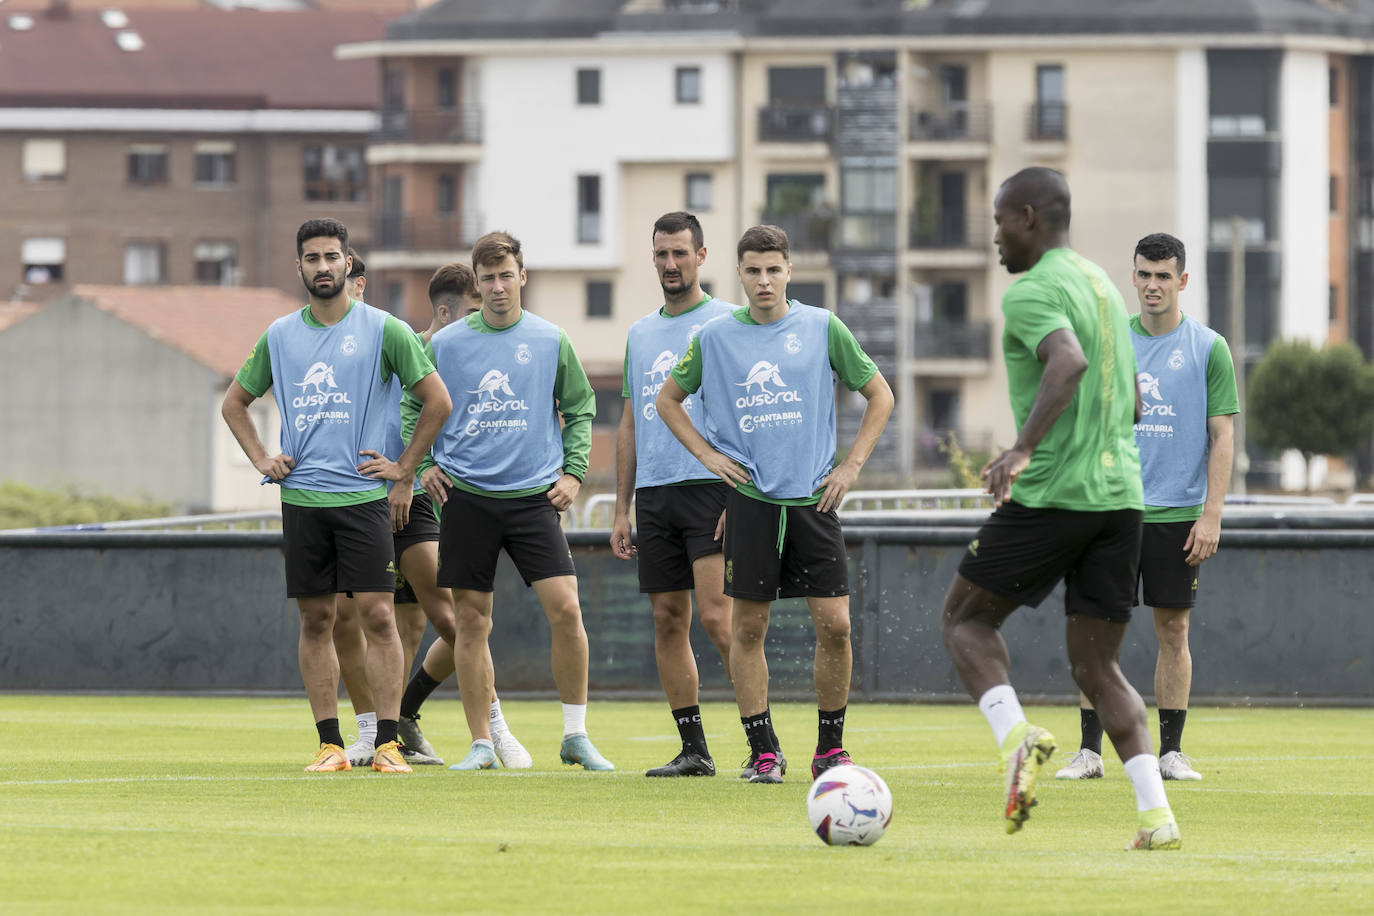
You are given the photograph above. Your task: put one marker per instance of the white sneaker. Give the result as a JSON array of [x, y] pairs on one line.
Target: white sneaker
[[1174, 765], [511, 753], [360, 753], [1085, 764]]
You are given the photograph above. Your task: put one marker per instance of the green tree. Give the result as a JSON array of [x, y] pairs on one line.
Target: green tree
[[23, 506], [1320, 402]]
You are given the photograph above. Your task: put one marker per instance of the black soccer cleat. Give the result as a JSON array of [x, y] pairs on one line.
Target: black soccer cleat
[[687, 763]]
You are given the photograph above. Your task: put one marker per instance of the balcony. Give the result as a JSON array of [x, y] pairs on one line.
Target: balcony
[[965, 121], [431, 125], [944, 341], [796, 123], [446, 233], [1048, 122], [807, 230], [949, 238]]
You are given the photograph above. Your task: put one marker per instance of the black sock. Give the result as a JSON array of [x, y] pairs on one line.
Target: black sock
[[758, 729], [830, 734], [1171, 730], [329, 732], [772, 735], [417, 691], [386, 731], [688, 720], [1092, 730]]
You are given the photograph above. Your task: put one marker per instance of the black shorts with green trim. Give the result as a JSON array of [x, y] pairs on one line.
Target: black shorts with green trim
[[332, 549], [675, 527], [1166, 580], [474, 529], [774, 551]]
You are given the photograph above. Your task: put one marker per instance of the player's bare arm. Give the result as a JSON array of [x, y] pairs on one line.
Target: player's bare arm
[[240, 423], [670, 410], [433, 396], [1064, 367], [878, 394], [622, 536], [1206, 532]]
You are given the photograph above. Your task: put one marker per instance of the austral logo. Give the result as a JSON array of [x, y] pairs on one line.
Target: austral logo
[[764, 374], [494, 395], [319, 376], [663, 364], [1149, 391]]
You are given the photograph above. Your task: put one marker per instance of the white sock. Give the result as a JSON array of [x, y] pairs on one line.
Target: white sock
[[574, 719], [496, 721], [485, 742], [367, 727], [1149, 785], [1002, 710]]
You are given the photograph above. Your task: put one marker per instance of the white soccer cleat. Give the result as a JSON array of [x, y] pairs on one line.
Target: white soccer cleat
[[1174, 765], [1085, 764], [511, 752], [360, 753]]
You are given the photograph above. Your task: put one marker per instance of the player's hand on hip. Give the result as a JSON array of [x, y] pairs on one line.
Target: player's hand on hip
[[622, 543], [1001, 472], [400, 498], [380, 467], [836, 484], [1202, 541], [435, 483], [276, 468], [563, 492], [725, 468]]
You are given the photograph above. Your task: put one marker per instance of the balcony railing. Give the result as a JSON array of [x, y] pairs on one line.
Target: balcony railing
[[796, 123], [941, 340], [432, 125], [807, 230], [962, 121], [949, 230], [399, 232], [1047, 121]]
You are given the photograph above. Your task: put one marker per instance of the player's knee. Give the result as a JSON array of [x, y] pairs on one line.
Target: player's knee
[[670, 620], [833, 630]]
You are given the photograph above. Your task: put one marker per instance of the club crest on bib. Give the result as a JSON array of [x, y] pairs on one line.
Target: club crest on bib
[[1176, 360], [523, 354], [349, 345], [792, 344]]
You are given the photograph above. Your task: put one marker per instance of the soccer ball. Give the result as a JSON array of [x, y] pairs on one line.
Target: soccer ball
[[849, 806]]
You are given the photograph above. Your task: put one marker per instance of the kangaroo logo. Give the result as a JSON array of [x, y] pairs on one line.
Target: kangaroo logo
[[494, 381], [1149, 385], [762, 373], [663, 364], [317, 375]]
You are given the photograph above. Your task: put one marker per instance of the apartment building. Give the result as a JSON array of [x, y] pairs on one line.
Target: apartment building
[[877, 133], [177, 146]]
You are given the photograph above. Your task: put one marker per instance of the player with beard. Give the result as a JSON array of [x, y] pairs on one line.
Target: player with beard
[[328, 367], [679, 501]]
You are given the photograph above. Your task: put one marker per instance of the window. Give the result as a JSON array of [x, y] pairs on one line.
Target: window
[[44, 260], [446, 88], [609, 406], [1334, 192], [334, 172], [395, 297], [445, 195], [216, 263], [688, 82], [45, 160], [598, 299], [144, 262], [698, 191], [588, 209], [796, 85], [807, 293], [795, 193], [588, 87], [1333, 86], [148, 164], [393, 89], [1331, 297], [215, 163], [1048, 114]]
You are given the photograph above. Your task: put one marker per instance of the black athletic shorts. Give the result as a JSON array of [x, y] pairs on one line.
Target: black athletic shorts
[[813, 562], [676, 527], [338, 549], [474, 529], [1021, 553], [1166, 579]]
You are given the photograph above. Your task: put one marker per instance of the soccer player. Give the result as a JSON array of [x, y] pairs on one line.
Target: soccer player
[[680, 502], [766, 374], [508, 473], [1185, 436], [1068, 501], [328, 367]]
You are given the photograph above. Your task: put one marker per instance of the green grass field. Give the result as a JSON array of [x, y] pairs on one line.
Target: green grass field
[[153, 804]]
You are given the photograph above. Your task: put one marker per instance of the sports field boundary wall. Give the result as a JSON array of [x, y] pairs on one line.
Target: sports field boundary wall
[[1283, 616]]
